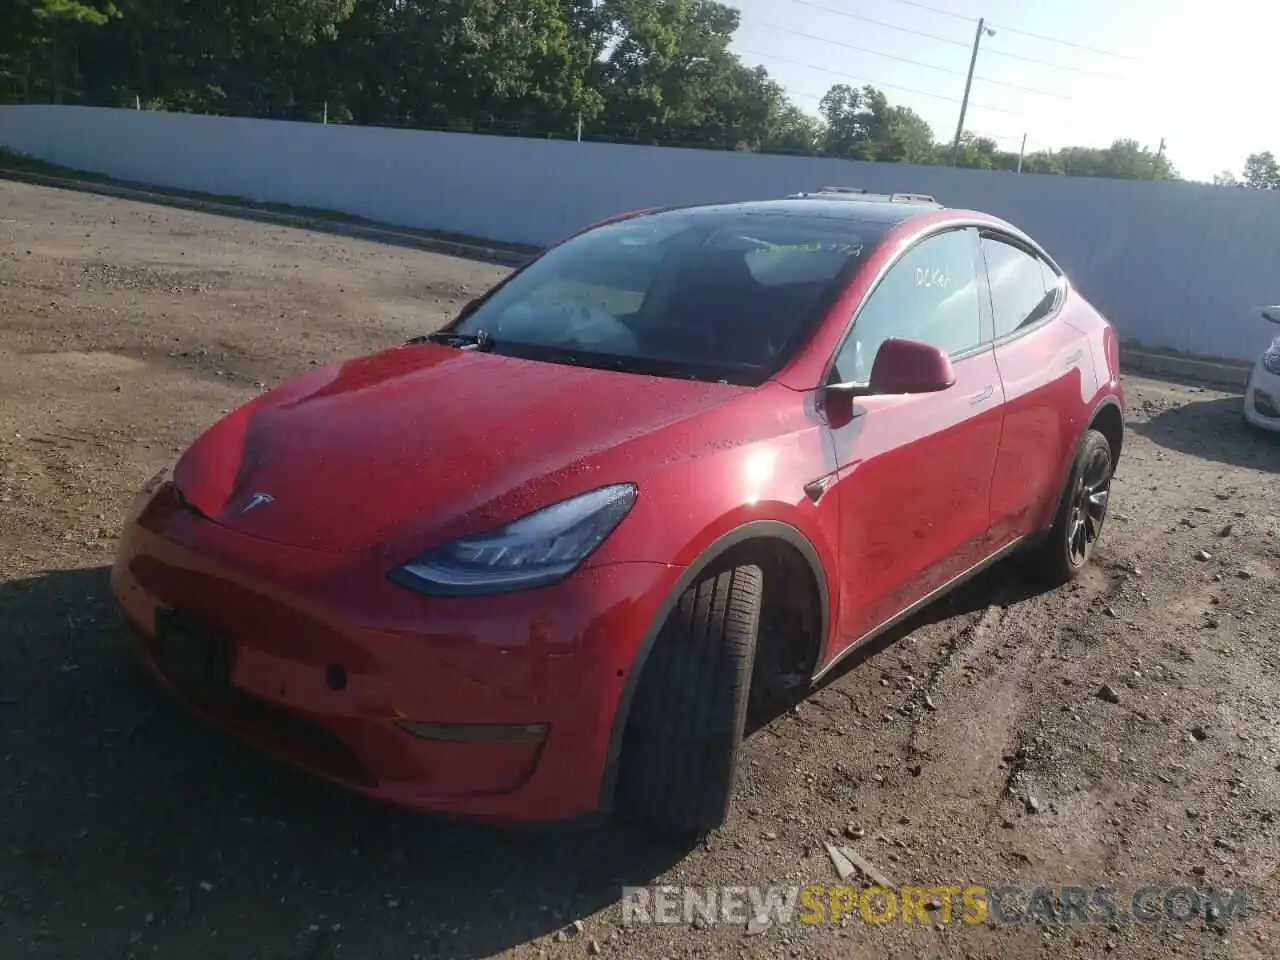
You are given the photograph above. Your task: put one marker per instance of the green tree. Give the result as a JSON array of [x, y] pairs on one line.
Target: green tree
[[978, 152], [1261, 171], [1042, 161], [1123, 160], [668, 75], [850, 121], [40, 46], [246, 57], [907, 139], [793, 131]]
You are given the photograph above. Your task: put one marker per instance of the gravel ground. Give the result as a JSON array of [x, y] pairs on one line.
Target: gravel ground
[[1121, 732]]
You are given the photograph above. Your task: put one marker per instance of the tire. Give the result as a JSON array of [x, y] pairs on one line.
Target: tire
[[1082, 513], [680, 751]]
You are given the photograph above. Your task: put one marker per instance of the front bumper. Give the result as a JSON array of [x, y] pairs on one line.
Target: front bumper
[[1262, 399], [513, 697]]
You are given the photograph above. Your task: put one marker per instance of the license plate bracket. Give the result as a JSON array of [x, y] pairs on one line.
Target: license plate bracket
[[195, 658]]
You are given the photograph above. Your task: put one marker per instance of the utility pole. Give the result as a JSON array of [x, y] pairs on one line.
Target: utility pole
[[1022, 151], [326, 113], [968, 82], [579, 126], [1155, 164]]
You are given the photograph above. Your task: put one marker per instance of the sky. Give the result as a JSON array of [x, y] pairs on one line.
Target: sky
[[1200, 75]]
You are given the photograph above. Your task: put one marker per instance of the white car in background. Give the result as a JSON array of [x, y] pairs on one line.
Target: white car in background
[[1262, 395]]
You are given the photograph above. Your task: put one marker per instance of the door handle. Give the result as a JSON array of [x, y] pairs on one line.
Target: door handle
[[1074, 358], [984, 395]]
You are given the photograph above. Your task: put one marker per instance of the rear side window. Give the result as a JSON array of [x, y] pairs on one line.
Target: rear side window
[[1023, 287]]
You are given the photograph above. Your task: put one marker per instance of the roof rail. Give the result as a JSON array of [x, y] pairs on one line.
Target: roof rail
[[859, 193]]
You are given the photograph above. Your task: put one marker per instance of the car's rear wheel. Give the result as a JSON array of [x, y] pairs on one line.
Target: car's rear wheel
[[1078, 524], [680, 752]]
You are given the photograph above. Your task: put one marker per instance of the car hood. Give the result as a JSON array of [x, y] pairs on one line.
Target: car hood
[[426, 442]]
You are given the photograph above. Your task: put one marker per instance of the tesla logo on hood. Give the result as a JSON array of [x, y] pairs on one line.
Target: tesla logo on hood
[[257, 500]]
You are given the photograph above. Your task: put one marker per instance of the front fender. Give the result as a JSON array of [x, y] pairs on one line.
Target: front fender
[[735, 536]]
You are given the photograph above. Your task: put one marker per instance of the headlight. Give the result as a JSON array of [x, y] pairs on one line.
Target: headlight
[[534, 551], [1271, 360]]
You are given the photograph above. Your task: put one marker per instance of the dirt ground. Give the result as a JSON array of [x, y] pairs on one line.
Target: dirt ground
[[976, 746]]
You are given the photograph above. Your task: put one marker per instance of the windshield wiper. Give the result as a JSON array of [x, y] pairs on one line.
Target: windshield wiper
[[467, 341]]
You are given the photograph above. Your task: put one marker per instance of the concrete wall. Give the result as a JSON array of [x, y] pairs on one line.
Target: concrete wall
[[1175, 266]]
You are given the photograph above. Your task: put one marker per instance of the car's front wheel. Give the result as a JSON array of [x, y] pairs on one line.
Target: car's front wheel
[[1083, 510], [680, 752]]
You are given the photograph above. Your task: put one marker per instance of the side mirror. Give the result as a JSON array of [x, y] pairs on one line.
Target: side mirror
[[1271, 313], [909, 366]]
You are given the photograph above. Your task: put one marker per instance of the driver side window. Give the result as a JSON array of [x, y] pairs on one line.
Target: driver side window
[[930, 295]]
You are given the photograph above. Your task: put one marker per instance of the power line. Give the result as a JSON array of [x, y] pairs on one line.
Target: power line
[[1056, 96], [944, 13], [962, 44], [854, 46], [930, 66], [1067, 43], [875, 83], [849, 76], [1114, 77], [1003, 137], [1023, 33], [882, 23]]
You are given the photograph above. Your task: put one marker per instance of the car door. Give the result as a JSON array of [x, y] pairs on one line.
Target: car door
[[914, 471], [1046, 371]]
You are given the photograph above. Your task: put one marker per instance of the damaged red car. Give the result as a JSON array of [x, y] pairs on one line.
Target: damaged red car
[[544, 561]]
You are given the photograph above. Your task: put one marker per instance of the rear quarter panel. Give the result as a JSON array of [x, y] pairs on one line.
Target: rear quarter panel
[[1104, 344], [1106, 384], [1050, 381]]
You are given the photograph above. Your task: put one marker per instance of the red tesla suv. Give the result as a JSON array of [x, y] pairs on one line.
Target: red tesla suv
[[540, 563]]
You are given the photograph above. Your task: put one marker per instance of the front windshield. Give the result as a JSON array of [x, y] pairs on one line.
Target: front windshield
[[684, 293]]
